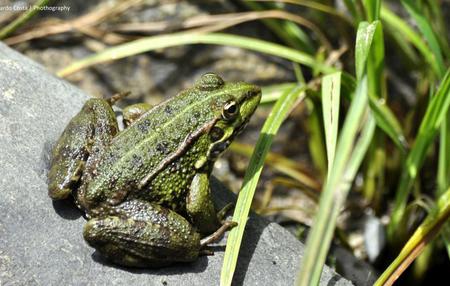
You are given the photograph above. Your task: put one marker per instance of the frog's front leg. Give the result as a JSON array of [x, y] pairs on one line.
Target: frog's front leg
[[200, 207], [86, 134], [142, 234]]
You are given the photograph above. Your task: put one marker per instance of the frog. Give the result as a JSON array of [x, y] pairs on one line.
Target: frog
[[145, 190]]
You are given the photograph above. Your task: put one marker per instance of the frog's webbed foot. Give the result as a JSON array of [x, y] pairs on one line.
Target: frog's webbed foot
[[141, 234]]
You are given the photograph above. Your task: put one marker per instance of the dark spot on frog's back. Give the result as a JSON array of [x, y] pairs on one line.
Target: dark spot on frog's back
[[111, 158], [144, 126], [137, 161], [168, 110], [163, 147], [164, 236]]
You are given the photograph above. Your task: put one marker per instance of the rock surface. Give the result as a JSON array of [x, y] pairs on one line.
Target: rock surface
[[41, 241]]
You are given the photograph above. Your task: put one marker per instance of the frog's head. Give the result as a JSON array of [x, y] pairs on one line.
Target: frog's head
[[234, 103]]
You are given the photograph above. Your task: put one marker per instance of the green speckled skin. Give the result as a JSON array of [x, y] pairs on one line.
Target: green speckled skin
[[152, 227], [157, 167], [77, 143]]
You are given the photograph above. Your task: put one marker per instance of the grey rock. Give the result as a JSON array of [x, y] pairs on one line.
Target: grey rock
[[41, 241]]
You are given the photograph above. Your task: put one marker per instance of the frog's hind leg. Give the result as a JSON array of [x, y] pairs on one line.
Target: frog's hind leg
[[141, 234], [87, 133]]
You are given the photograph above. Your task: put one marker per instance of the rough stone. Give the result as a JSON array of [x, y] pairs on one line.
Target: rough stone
[[41, 241]]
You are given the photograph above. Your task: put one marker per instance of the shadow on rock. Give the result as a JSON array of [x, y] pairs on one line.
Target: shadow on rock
[[66, 209], [252, 234], [334, 280], [197, 266], [253, 231]]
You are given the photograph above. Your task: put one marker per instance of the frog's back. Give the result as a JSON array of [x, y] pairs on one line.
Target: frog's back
[[157, 143]]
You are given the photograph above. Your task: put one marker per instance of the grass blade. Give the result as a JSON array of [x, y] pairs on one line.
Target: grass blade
[[353, 142], [289, 32], [434, 115], [387, 121], [331, 91], [270, 128], [281, 164], [329, 9], [316, 136], [427, 31], [22, 19], [316, 139], [372, 9], [424, 234], [364, 39], [353, 9], [446, 237], [271, 93], [177, 39], [443, 176], [400, 26], [357, 133]]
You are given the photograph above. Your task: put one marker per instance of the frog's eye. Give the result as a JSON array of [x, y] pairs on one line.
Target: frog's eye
[[230, 110]]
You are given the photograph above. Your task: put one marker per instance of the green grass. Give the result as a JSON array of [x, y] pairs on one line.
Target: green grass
[[353, 142], [356, 125], [170, 40], [269, 130], [424, 234], [435, 114]]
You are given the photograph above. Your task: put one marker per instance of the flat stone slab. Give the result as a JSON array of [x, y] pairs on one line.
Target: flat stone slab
[[41, 241]]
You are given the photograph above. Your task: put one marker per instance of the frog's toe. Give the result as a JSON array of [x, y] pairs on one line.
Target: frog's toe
[[218, 234], [222, 214]]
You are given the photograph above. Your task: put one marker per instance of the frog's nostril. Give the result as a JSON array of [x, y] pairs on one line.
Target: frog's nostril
[[256, 91]]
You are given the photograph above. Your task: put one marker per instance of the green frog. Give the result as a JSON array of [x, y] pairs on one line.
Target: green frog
[[145, 190]]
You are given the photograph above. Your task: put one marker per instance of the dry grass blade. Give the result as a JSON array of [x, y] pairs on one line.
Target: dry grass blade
[[424, 234], [282, 165], [313, 5], [201, 23], [81, 24]]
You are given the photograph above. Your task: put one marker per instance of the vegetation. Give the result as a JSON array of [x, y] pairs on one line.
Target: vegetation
[[351, 63]]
